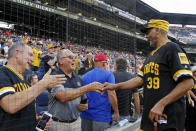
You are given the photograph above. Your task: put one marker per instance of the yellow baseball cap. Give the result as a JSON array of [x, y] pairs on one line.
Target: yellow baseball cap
[[156, 23], [50, 46]]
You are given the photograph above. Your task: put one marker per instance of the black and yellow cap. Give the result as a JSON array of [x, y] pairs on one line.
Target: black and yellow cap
[[156, 23], [50, 46]]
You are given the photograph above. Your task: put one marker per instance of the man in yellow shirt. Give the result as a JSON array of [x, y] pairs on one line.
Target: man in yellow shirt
[[37, 54]]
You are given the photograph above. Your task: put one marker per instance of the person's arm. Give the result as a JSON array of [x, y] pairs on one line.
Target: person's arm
[[6, 51], [40, 55], [4, 56], [52, 61], [12, 103], [157, 111], [68, 95], [136, 101], [114, 103], [130, 84]]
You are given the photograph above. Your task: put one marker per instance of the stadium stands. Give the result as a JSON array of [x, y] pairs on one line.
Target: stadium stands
[[89, 26]]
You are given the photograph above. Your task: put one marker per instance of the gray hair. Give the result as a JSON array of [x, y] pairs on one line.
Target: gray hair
[[14, 47], [59, 54]]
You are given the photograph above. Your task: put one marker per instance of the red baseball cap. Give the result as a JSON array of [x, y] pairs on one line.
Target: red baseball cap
[[100, 57]]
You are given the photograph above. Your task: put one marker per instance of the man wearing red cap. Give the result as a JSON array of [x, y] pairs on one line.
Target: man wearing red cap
[[98, 115]]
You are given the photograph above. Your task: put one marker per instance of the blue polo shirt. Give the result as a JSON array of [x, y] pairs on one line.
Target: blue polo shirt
[[99, 107]]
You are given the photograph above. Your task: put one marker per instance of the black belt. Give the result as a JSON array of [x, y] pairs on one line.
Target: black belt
[[65, 121]]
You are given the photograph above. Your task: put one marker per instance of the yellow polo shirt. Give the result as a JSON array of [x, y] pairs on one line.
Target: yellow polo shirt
[[35, 57]]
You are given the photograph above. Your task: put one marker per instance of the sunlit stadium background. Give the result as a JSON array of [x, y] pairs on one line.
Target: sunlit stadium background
[[109, 25]]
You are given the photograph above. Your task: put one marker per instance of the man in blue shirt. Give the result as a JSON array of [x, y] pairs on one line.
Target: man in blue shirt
[[98, 115]]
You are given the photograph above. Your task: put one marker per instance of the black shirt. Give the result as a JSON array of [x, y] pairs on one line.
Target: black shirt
[[161, 72], [124, 96], [23, 120], [194, 87], [73, 82]]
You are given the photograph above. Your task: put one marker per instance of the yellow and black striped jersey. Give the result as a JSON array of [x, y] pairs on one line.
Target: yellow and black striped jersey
[[164, 68], [24, 120]]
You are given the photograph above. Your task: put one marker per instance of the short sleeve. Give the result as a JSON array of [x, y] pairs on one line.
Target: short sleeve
[[54, 91], [6, 86], [84, 80], [135, 90], [141, 72], [178, 62], [111, 78]]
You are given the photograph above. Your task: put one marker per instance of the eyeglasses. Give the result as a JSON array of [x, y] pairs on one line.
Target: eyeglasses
[[70, 57]]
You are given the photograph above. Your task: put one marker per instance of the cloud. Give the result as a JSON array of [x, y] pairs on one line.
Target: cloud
[[173, 6]]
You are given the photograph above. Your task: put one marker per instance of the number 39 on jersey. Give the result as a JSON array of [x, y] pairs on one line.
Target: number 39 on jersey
[[153, 82]]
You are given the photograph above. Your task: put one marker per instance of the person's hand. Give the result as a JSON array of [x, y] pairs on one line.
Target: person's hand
[[48, 124], [156, 113], [116, 117], [52, 81], [83, 107], [95, 87], [191, 102], [109, 86]]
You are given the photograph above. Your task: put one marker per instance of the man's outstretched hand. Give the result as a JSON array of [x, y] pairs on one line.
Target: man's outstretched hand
[[100, 88], [109, 86], [95, 87]]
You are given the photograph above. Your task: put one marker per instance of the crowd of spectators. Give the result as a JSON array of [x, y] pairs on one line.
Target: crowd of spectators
[[45, 56], [42, 46], [184, 34]]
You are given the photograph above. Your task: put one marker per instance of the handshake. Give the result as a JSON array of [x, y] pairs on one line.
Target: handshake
[[100, 88]]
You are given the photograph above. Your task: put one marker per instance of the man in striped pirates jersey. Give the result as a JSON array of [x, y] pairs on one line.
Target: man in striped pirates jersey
[[17, 106], [165, 76]]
